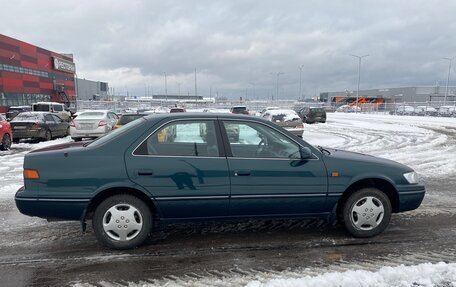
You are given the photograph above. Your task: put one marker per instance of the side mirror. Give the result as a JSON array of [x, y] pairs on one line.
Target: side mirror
[[305, 153]]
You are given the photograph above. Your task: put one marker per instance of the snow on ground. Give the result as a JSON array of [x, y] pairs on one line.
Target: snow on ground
[[427, 144], [425, 275], [11, 165]]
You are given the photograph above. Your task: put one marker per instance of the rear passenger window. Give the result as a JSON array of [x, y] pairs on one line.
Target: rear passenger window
[[182, 138]]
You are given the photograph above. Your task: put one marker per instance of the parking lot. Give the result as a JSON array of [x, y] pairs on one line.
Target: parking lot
[[37, 253]]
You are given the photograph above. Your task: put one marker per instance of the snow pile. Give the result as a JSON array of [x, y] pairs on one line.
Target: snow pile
[[423, 275], [427, 274]]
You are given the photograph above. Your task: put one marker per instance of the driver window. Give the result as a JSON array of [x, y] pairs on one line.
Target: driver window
[[253, 140]]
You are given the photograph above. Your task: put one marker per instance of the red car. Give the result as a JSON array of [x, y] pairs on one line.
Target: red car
[[6, 136]]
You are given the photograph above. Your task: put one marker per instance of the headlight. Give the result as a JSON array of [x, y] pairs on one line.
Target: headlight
[[411, 177]]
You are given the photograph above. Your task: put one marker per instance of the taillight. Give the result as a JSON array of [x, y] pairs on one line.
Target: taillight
[[101, 123], [31, 174], [72, 124], [36, 127]]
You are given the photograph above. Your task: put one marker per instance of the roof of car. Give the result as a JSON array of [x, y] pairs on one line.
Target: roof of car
[[192, 115]]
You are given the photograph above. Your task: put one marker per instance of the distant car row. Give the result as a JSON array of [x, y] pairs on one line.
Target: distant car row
[[443, 111]]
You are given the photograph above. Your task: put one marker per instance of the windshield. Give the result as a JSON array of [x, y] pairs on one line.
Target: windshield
[[91, 115], [125, 119], [115, 133], [41, 108]]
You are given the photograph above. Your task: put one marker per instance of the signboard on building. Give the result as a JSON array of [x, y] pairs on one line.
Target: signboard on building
[[64, 65]]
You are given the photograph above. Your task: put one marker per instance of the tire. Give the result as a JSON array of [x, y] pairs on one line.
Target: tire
[[47, 135], [67, 133], [77, 139], [6, 142], [120, 211], [362, 207]]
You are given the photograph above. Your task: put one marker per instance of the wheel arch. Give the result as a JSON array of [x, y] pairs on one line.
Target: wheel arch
[[105, 193], [380, 183]]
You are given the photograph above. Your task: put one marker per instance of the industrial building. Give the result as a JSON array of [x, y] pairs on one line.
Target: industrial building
[[88, 90], [30, 74], [418, 94]]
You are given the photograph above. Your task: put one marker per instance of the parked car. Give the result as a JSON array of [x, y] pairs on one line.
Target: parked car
[[447, 111], [6, 134], [348, 109], [312, 115], [126, 118], [14, 111], [132, 178], [92, 124], [38, 125], [50, 107], [405, 110], [425, 111], [267, 109], [287, 119], [239, 110]]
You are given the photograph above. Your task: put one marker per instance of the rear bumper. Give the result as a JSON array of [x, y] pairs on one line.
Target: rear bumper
[[87, 133], [25, 134], [410, 196], [67, 209]]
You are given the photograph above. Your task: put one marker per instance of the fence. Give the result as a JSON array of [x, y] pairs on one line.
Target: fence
[[404, 108]]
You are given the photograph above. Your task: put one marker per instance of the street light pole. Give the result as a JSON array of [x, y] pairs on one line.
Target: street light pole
[[300, 81], [359, 77], [450, 60], [166, 84], [277, 74]]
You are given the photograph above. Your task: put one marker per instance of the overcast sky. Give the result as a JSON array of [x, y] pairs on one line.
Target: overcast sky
[[237, 46]]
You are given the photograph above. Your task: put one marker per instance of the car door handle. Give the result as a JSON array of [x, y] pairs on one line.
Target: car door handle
[[241, 172], [145, 172]]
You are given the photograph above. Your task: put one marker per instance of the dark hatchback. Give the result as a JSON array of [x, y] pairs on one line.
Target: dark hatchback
[[38, 125], [312, 115], [185, 166]]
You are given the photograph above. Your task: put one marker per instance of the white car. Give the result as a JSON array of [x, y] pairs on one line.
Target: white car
[[92, 124], [348, 109], [447, 111], [51, 107], [425, 111], [288, 119], [405, 110]]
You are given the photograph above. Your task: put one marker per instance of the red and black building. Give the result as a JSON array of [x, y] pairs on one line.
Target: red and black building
[[30, 74]]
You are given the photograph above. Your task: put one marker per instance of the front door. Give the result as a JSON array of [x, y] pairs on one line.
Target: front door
[[183, 167], [268, 176]]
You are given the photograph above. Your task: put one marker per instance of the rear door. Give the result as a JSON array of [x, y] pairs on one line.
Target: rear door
[[182, 165]]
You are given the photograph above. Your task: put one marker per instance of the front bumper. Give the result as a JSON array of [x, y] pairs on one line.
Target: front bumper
[[410, 196]]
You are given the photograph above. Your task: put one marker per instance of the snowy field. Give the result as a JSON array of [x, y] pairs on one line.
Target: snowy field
[[426, 144]]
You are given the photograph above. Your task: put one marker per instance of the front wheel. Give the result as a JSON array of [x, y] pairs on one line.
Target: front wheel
[[367, 212], [122, 222]]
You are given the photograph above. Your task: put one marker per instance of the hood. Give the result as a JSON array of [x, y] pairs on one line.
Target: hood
[[360, 157]]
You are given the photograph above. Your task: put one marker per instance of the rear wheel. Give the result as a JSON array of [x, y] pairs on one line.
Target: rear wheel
[[77, 139], [6, 142], [47, 135], [367, 212], [122, 222]]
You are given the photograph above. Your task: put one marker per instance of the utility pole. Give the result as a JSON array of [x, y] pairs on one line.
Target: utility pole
[[300, 81], [196, 88], [359, 77], [450, 60], [277, 84]]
